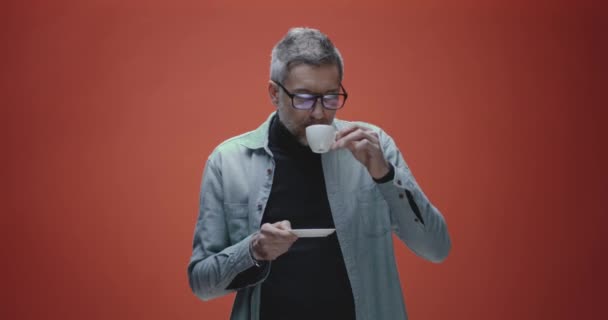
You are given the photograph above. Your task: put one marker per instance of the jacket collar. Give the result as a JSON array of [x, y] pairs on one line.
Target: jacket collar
[[258, 138]]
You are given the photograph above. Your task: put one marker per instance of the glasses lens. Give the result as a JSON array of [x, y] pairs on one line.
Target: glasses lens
[[303, 101], [333, 101]]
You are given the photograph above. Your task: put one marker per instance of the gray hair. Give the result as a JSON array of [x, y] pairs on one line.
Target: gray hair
[[303, 46]]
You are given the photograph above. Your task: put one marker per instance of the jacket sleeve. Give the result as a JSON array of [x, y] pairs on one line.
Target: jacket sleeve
[[413, 218], [215, 263]]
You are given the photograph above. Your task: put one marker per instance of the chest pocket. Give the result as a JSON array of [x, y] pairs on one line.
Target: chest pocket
[[373, 212], [237, 221]]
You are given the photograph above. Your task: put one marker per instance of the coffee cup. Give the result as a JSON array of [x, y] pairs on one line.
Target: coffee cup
[[320, 137]]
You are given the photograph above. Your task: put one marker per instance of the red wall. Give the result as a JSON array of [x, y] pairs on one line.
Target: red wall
[[110, 109]]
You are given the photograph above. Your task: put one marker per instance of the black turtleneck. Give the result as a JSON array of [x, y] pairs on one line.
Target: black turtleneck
[[310, 280]]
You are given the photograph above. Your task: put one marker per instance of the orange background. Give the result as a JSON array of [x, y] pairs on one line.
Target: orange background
[[110, 108]]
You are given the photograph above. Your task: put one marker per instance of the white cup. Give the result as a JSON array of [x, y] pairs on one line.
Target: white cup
[[320, 137]]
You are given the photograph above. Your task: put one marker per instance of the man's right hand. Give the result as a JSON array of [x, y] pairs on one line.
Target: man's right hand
[[272, 240]]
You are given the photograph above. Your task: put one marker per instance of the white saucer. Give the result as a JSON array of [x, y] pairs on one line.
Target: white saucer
[[312, 233]]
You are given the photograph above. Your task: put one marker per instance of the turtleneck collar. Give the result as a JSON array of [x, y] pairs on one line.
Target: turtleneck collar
[[280, 139]]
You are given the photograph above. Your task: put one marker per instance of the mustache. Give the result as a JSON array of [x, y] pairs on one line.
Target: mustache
[[310, 123]]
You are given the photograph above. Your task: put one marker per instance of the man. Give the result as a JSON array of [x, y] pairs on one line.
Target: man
[[258, 186]]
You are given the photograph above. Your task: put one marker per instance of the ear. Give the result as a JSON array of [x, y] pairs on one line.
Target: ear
[[273, 92]]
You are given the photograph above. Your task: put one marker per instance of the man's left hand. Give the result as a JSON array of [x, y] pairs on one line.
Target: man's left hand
[[364, 144]]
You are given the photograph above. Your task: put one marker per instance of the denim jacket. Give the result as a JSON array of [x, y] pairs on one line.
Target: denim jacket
[[235, 188]]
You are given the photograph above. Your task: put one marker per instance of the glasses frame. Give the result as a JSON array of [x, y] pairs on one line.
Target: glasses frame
[[316, 97]]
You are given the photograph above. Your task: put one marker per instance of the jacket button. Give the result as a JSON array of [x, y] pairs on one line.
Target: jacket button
[[259, 207], [269, 171], [416, 219], [399, 182], [401, 196]]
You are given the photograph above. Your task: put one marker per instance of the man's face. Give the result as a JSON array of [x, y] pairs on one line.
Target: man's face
[[305, 79]]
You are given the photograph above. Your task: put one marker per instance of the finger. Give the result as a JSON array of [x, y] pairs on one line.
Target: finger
[[346, 131], [360, 145], [361, 133], [357, 135], [267, 227], [284, 225], [278, 231], [269, 230], [342, 133], [285, 235], [353, 127]]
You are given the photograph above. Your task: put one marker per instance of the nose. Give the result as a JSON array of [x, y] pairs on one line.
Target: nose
[[318, 112]]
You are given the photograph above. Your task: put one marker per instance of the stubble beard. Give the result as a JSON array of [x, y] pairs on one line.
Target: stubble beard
[[299, 132]]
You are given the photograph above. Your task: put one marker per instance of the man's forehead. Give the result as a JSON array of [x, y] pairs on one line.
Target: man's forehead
[[311, 77]]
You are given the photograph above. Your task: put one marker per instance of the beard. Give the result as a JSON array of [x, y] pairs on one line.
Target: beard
[[298, 130]]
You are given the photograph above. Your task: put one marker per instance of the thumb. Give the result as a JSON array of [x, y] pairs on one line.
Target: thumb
[[284, 225]]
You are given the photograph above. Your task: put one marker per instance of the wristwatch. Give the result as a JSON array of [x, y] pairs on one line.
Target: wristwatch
[[256, 262]]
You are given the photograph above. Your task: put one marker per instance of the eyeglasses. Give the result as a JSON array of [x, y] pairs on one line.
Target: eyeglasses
[[306, 101]]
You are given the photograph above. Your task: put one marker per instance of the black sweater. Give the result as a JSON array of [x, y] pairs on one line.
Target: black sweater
[[310, 280]]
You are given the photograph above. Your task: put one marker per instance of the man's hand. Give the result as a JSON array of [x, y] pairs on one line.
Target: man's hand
[[272, 240], [364, 144]]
